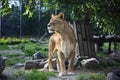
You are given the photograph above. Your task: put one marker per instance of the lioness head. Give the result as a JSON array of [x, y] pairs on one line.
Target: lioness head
[[56, 23]]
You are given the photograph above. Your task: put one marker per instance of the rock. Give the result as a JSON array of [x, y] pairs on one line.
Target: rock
[[13, 47], [113, 73], [2, 64], [106, 61], [39, 64], [42, 42], [33, 40], [34, 64], [38, 55], [115, 56], [110, 61], [18, 65], [4, 58], [90, 63], [112, 76], [115, 69], [77, 60]]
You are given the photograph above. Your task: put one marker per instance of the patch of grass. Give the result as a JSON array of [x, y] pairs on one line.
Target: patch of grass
[[92, 76], [14, 61], [101, 54], [31, 48], [12, 55], [83, 77], [32, 75], [3, 47], [97, 76], [36, 75]]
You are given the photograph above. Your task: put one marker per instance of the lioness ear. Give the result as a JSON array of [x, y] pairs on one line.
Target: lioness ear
[[52, 15], [61, 15]]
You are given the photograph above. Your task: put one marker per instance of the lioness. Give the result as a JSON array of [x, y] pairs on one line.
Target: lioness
[[63, 41]]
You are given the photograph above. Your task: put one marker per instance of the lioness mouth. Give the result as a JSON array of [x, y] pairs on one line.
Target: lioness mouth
[[51, 30]]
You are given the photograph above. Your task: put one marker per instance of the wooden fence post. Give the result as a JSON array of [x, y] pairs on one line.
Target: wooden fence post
[[84, 37]]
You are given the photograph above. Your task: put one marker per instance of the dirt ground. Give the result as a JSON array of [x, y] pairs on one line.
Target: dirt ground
[[9, 71]]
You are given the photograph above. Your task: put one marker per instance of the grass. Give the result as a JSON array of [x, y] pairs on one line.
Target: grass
[[92, 76], [32, 75], [31, 48], [12, 55], [14, 61], [3, 47], [36, 75], [106, 45], [102, 54]]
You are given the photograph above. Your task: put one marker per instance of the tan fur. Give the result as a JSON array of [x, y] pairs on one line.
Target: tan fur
[[63, 41]]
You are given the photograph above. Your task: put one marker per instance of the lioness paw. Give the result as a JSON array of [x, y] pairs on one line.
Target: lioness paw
[[70, 73], [61, 74], [52, 70]]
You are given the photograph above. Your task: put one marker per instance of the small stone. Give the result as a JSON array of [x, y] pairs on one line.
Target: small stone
[[115, 56], [112, 76], [38, 55], [18, 65]]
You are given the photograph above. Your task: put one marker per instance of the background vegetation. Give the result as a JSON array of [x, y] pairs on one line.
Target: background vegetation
[[104, 15]]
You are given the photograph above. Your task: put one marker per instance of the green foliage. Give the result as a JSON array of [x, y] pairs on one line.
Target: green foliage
[[32, 75], [92, 76], [12, 41], [80, 9]]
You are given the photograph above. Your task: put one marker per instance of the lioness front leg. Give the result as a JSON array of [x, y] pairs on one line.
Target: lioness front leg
[[50, 62], [71, 61], [61, 64], [50, 55]]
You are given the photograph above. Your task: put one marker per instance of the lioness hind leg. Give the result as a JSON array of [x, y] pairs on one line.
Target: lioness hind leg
[[61, 64], [58, 65], [70, 66]]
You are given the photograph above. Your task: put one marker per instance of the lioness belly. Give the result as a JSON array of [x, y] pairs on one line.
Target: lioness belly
[[66, 49]]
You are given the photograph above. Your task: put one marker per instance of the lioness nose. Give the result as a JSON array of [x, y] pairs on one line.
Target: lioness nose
[[48, 25]]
